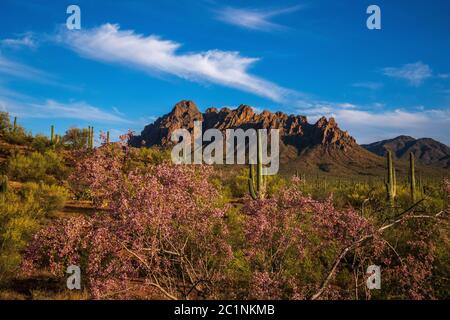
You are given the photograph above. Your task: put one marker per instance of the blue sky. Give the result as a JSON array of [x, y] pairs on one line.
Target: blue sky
[[133, 60]]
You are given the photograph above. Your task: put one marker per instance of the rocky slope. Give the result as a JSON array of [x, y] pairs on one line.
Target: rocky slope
[[427, 151]]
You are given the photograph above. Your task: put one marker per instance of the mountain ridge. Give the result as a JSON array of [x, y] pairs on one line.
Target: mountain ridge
[[426, 150], [304, 146], [323, 132]]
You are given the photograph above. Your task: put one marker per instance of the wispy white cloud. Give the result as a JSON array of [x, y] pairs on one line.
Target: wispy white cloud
[[369, 126], [368, 85], [16, 69], [28, 107], [25, 40], [152, 54], [415, 73], [372, 123], [254, 19]]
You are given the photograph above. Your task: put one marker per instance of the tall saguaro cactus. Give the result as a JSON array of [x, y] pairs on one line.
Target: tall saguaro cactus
[[3, 187], [412, 177], [256, 184], [107, 137], [15, 124], [90, 137], [391, 184], [52, 134]]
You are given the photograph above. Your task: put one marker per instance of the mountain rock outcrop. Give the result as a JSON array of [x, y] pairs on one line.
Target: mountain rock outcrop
[[294, 129]]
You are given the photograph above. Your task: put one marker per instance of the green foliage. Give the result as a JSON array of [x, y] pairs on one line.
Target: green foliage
[[13, 133], [48, 167], [143, 157], [21, 215], [50, 197], [76, 138], [40, 143], [4, 122]]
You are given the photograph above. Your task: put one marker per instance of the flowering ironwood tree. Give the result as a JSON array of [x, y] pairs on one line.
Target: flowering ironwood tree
[[301, 248], [161, 229]]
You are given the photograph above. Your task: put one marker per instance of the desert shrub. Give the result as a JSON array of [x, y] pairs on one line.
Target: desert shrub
[[76, 138], [13, 134], [164, 231], [50, 198], [5, 124], [40, 143], [21, 214], [18, 137], [236, 185], [149, 156], [48, 167], [293, 242]]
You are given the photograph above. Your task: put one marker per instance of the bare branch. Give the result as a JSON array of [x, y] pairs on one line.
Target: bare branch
[[358, 242]]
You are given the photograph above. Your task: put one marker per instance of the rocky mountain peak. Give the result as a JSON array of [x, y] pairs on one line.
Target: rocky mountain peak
[[294, 129], [185, 109]]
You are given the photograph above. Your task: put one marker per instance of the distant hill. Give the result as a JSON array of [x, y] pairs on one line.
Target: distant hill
[[426, 150]]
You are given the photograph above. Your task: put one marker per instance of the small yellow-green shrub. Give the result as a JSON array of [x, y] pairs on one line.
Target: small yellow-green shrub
[[48, 167], [21, 214]]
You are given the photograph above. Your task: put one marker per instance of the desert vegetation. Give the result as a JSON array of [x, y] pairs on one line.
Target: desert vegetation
[[141, 227]]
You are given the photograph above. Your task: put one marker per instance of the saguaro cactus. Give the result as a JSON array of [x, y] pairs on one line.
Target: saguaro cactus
[[256, 184], [3, 187], [3, 184], [52, 134], [89, 137], [107, 137], [15, 124], [391, 184], [92, 137], [412, 177]]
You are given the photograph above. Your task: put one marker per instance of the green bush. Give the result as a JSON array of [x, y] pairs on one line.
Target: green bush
[[21, 214], [51, 198], [76, 138], [48, 167], [142, 157], [5, 124], [40, 143]]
